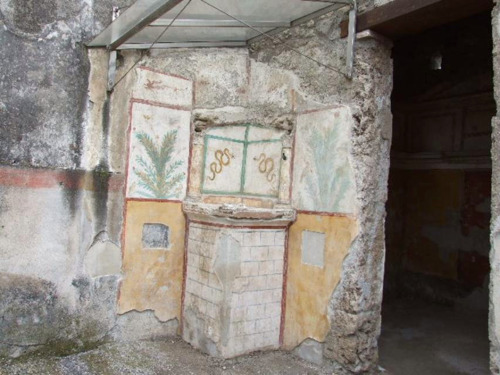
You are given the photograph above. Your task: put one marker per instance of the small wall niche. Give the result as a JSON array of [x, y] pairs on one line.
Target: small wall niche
[[313, 248], [155, 236]]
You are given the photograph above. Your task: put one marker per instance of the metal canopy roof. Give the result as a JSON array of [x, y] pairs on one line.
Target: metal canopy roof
[[207, 23]]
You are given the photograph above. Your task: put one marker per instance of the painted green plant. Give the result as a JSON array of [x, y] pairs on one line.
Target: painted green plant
[[157, 175], [327, 186]]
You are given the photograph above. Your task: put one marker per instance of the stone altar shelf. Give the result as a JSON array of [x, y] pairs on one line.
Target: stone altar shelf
[[234, 281]]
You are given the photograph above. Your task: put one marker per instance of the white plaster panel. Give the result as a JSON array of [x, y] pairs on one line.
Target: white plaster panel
[[263, 168], [233, 132], [103, 258], [323, 177], [221, 79], [270, 87], [313, 248], [158, 168], [163, 88], [257, 133], [36, 235], [223, 165]]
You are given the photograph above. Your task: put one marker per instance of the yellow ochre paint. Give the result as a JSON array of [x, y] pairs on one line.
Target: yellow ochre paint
[[309, 288], [153, 277]]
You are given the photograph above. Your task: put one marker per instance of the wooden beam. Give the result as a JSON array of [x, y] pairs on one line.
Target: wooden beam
[[402, 18]]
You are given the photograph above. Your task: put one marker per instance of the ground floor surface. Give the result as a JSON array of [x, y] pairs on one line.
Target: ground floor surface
[[423, 338], [418, 338], [157, 358]]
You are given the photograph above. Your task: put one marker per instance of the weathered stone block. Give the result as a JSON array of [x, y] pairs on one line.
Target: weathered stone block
[[310, 350]]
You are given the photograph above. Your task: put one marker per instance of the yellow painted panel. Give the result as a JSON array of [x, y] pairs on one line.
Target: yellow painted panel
[[153, 277], [309, 288]]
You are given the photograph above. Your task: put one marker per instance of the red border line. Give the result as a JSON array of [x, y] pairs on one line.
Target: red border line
[[284, 291], [236, 226], [323, 213], [190, 156], [163, 73], [292, 169], [186, 221], [249, 74], [116, 182], [193, 95], [50, 178], [159, 104], [40, 178], [184, 276], [125, 188], [327, 108], [152, 200]]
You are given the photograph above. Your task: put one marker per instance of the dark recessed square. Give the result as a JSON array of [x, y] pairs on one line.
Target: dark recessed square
[[155, 236]]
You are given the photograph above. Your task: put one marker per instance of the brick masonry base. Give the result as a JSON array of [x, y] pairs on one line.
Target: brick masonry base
[[234, 286]]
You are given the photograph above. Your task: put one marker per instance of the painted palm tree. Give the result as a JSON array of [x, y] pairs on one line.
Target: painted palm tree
[[157, 175], [327, 186]]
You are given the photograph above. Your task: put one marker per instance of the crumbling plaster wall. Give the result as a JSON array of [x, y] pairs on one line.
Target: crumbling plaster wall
[[65, 131], [60, 213], [223, 95], [354, 310], [494, 318]]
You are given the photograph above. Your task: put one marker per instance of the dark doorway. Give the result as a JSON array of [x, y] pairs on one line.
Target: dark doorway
[[434, 318]]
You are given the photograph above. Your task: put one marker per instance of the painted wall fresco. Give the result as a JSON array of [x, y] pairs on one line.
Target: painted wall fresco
[[443, 233], [242, 160], [159, 136], [159, 152], [153, 276], [237, 162], [323, 178], [154, 228], [159, 87], [310, 287]]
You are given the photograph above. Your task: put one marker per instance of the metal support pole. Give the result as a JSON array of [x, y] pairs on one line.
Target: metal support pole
[[351, 39], [112, 57]]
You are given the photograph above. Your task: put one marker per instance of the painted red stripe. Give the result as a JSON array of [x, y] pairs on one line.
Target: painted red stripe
[[284, 291], [184, 276], [153, 200], [50, 178], [218, 225], [163, 73], [326, 108], [321, 213], [160, 104]]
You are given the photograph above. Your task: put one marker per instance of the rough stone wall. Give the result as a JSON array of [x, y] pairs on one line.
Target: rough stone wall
[[233, 86], [354, 309], [93, 145], [60, 214], [224, 95], [45, 77], [494, 324]]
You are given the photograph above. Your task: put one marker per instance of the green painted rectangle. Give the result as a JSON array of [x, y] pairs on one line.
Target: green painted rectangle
[[245, 143]]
